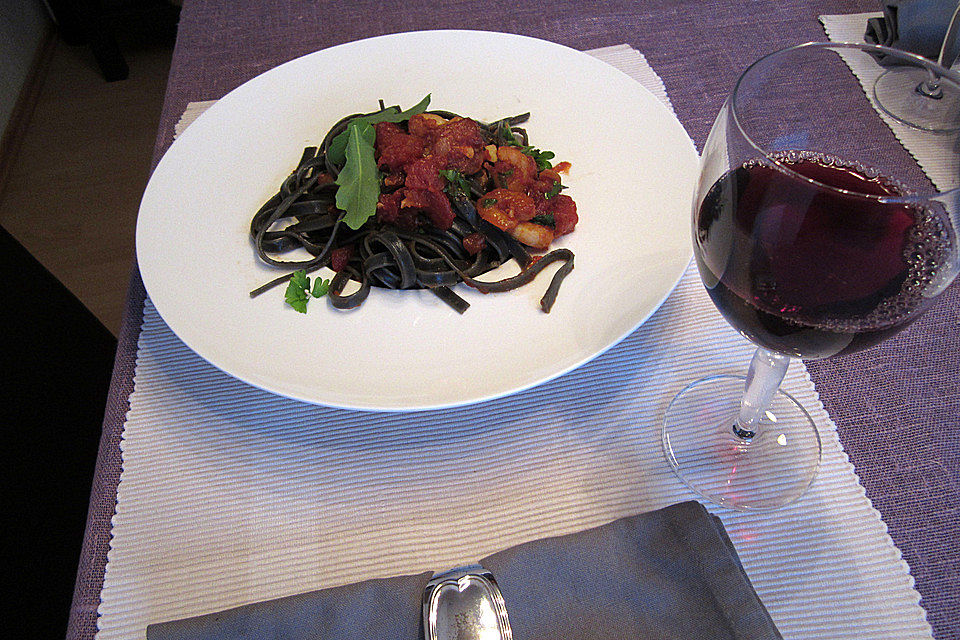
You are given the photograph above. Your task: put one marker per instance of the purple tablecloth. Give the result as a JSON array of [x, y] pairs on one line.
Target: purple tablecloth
[[897, 406]]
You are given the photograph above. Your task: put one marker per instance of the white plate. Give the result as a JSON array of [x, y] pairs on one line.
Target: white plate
[[633, 174]]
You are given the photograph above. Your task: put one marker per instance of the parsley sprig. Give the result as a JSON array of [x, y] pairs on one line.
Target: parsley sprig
[[299, 291]]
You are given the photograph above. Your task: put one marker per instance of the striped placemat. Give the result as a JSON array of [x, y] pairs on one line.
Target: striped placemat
[[232, 495]]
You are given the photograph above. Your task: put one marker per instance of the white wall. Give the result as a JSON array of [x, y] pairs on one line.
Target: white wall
[[22, 25]]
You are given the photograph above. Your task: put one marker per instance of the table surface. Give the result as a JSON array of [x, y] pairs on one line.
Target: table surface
[[896, 406]]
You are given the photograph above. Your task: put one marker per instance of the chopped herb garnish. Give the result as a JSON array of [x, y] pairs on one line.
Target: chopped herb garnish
[[488, 202], [554, 190], [457, 185], [506, 134], [542, 158], [545, 219]]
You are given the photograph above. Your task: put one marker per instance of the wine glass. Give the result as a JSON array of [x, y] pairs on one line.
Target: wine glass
[[913, 94], [816, 235]]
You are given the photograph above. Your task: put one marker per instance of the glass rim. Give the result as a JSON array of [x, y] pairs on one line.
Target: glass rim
[[950, 75]]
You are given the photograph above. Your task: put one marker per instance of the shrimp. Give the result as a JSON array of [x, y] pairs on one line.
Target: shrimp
[[514, 170], [505, 209], [533, 235]]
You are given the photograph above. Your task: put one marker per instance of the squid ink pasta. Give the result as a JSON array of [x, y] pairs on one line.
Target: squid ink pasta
[[442, 199]]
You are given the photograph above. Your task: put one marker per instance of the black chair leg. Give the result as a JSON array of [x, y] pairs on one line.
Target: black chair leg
[[98, 33]]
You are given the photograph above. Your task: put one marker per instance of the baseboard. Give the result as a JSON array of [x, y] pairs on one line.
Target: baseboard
[[26, 102]]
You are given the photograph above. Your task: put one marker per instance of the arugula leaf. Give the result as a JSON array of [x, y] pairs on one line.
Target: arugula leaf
[[296, 294], [359, 185], [336, 150], [392, 116], [320, 287]]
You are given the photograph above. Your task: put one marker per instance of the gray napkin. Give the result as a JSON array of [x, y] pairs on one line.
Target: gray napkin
[[670, 573], [917, 26]]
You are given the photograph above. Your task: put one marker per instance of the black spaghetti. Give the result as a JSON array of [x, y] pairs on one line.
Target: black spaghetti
[[455, 199]]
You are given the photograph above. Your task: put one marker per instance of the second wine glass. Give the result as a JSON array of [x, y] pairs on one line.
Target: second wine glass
[[912, 92]]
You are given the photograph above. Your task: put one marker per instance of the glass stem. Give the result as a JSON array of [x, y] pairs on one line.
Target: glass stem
[[766, 372], [931, 87]]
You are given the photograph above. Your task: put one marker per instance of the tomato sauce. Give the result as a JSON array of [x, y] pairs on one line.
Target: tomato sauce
[[525, 201]]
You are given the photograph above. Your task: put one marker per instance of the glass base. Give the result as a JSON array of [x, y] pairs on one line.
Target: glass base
[[767, 471], [897, 95]]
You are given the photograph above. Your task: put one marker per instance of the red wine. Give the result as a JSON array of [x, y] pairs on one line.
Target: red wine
[[815, 272]]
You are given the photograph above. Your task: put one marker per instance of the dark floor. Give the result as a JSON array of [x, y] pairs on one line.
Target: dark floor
[[74, 188], [70, 198]]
